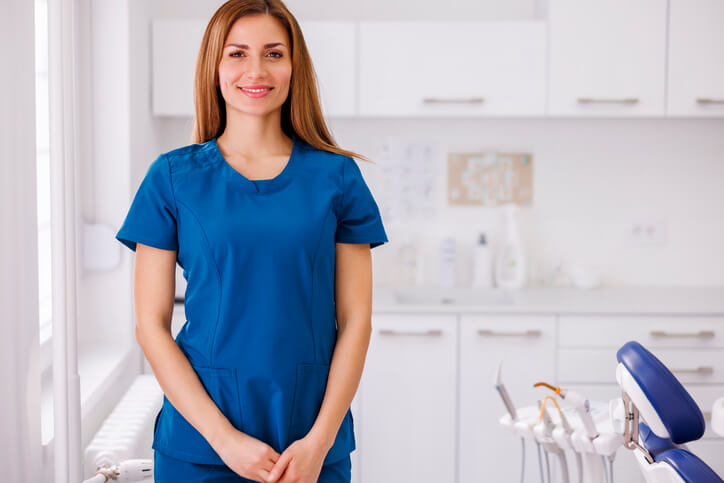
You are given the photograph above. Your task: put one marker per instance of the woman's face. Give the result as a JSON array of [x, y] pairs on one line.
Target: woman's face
[[256, 55]]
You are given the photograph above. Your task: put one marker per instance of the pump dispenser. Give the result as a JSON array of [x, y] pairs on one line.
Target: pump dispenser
[[482, 264]]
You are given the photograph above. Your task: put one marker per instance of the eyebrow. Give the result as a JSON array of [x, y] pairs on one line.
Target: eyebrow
[[244, 46]]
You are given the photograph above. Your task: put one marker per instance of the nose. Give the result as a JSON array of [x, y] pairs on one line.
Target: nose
[[255, 68]]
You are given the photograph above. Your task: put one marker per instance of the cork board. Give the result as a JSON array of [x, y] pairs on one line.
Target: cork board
[[490, 179]]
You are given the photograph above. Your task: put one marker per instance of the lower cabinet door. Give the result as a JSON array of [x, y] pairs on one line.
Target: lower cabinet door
[[406, 428], [526, 346]]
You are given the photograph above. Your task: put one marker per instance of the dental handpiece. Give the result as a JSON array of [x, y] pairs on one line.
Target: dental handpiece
[[580, 403], [504, 394], [546, 418], [583, 406]]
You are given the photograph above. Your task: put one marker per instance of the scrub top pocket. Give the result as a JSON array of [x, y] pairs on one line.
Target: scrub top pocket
[[178, 437], [311, 383]]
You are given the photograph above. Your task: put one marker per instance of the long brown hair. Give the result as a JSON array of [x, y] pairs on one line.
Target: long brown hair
[[301, 112]]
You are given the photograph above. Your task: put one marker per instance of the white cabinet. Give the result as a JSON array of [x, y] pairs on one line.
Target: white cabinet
[[589, 59], [526, 345], [696, 58], [407, 397], [335, 64], [460, 69], [607, 59], [176, 45]]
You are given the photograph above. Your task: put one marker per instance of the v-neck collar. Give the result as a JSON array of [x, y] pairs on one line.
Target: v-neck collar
[[258, 186]]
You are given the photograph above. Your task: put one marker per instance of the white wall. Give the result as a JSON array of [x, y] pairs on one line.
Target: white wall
[[374, 9], [593, 178]]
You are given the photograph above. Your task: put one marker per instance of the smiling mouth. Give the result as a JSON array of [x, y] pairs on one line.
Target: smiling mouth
[[264, 89]]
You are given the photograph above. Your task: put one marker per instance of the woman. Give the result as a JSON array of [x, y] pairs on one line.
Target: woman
[[273, 226]]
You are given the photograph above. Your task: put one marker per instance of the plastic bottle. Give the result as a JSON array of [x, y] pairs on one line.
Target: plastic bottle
[[447, 263], [482, 266], [510, 261], [407, 260]]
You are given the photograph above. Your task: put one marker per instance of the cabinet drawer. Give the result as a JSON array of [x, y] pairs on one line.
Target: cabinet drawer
[[599, 365], [519, 330], [651, 331]]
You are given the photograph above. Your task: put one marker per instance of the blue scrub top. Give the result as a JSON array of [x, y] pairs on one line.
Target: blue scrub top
[[259, 260]]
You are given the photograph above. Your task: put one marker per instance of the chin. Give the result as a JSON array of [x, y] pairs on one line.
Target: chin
[[258, 111]]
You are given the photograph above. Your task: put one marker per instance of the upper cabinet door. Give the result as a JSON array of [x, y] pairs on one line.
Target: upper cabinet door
[[333, 48], [607, 58], [175, 47], [696, 58], [460, 69]]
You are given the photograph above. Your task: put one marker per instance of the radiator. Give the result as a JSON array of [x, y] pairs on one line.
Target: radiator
[[127, 433]]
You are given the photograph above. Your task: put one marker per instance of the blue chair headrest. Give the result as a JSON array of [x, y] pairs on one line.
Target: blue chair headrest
[[677, 410], [653, 443], [688, 466]]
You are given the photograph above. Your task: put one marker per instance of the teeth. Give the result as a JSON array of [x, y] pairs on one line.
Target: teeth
[[255, 90]]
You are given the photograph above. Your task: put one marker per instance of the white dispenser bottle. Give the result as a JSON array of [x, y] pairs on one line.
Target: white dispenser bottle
[[510, 262], [407, 257], [482, 264], [446, 272]]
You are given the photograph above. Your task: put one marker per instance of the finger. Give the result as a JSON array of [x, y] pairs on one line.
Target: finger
[[280, 466], [267, 465], [264, 474], [274, 456]]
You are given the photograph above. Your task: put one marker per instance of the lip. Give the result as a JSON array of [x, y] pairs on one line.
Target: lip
[[255, 95]]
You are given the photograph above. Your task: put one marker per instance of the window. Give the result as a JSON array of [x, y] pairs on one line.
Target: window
[[42, 156]]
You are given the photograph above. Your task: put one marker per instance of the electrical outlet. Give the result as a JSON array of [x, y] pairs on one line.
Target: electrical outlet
[[648, 232]]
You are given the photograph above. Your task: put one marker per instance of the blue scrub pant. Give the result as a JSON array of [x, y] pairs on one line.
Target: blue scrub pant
[[170, 470]]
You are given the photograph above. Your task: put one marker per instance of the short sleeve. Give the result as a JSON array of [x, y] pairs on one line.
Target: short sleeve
[[151, 220], [358, 217]]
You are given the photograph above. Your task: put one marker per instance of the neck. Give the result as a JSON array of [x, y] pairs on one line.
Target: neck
[[253, 136]]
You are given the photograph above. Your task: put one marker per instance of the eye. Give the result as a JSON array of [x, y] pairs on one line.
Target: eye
[[277, 53], [233, 54]]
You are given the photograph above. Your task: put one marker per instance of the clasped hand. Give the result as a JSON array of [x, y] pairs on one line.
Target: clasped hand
[[251, 458], [301, 462]]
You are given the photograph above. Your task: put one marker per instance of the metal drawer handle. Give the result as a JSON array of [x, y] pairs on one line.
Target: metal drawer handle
[[704, 370], [437, 100], [703, 334], [432, 332], [525, 333], [708, 100], [623, 100]]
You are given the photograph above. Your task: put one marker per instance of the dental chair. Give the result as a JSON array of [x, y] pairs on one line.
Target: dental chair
[[660, 417]]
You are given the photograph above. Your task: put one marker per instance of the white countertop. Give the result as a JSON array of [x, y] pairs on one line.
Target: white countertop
[[553, 300]]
